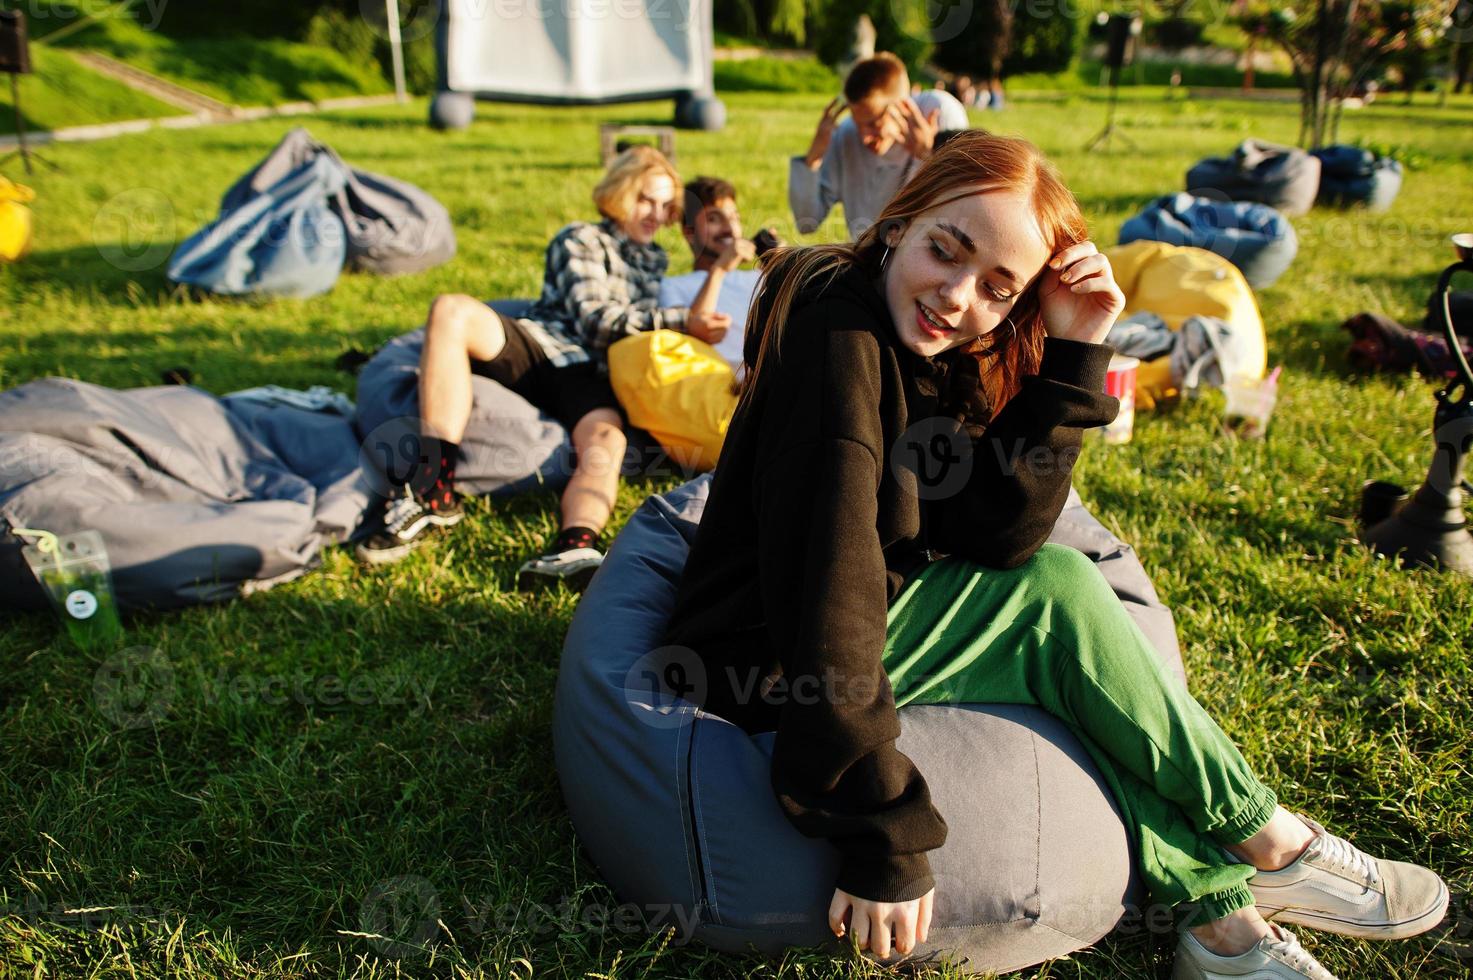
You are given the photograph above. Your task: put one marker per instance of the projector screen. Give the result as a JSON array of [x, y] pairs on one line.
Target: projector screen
[[577, 50]]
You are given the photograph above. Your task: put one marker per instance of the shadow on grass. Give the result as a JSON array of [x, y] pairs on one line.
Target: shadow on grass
[[116, 271]]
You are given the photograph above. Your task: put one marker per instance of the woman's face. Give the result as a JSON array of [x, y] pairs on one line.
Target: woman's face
[[651, 208], [957, 270]]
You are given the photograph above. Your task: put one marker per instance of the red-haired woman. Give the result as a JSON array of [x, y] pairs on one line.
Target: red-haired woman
[[923, 393]]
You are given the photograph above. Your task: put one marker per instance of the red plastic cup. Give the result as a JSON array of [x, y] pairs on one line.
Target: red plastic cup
[[1120, 382]]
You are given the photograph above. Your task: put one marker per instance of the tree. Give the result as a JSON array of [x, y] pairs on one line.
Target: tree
[[902, 27], [1334, 47]]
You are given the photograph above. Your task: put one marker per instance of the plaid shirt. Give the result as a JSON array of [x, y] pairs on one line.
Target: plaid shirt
[[598, 286]]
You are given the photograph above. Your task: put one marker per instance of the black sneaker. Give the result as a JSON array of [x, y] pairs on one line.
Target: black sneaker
[[406, 520], [574, 568]]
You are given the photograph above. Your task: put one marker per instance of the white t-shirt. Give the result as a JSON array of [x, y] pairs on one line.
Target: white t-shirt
[[733, 300]]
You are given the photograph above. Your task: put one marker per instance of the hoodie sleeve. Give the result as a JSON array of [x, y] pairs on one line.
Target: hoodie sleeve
[[835, 768], [1023, 462]]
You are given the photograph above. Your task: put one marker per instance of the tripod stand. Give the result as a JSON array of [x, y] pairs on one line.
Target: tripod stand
[[22, 150], [1103, 136]]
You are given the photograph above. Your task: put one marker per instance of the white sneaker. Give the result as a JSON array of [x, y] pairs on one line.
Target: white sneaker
[[1336, 887], [574, 568], [1275, 957]]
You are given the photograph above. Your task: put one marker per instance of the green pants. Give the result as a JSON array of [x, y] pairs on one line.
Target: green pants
[[1051, 633]]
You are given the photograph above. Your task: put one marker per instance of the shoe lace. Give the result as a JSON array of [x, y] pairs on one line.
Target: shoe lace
[[1298, 957], [1342, 855], [401, 513]]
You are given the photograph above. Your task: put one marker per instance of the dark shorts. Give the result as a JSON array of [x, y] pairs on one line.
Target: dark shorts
[[566, 393]]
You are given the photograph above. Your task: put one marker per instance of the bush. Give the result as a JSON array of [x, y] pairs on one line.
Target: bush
[[773, 75], [1043, 42], [981, 44], [901, 27], [363, 43], [1175, 33]]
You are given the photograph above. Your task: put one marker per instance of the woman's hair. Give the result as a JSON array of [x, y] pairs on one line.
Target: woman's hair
[[971, 162], [615, 194]]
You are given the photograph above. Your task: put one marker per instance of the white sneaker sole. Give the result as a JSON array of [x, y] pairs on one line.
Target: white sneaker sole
[[1325, 922], [388, 556], [575, 577]]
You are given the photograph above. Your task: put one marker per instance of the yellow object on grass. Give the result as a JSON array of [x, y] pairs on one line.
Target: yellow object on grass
[[678, 389], [15, 220], [1176, 282]]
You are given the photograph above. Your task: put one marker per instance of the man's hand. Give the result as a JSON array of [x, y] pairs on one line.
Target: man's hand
[[877, 924], [824, 133], [740, 250], [710, 327], [917, 131]]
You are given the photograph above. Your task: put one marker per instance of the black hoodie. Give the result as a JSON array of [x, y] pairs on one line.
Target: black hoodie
[[815, 518]]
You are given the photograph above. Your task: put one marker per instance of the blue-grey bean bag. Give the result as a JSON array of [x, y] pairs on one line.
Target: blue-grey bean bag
[[1254, 237], [197, 498], [1283, 177], [509, 446], [675, 806], [1350, 175]]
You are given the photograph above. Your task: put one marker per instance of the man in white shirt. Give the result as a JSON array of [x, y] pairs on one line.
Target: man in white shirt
[[713, 230], [865, 159]]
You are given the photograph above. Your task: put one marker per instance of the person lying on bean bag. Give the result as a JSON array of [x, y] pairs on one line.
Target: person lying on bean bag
[[601, 283], [874, 537]]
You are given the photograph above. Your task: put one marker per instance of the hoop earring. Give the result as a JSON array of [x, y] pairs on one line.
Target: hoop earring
[[998, 346], [884, 259]]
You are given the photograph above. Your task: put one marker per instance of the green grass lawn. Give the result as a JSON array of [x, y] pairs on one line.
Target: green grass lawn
[[243, 71], [64, 93], [244, 835]]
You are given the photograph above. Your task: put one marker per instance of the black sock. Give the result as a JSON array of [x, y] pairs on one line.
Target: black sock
[[434, 481], [575, 537]]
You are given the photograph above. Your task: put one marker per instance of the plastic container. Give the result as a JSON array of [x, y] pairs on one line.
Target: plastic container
[[77, 578], [1250, 404], [1120, 383]]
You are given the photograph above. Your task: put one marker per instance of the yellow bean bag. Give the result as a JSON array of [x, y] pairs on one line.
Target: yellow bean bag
[[678, 389], [15, 220], [1176, 282]]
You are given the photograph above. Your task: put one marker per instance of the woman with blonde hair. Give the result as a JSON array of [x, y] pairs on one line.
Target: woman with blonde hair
[[875, 537], [601, 282]]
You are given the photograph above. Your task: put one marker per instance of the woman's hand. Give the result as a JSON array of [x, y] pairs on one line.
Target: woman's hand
[[1078, 295], [877, 924]]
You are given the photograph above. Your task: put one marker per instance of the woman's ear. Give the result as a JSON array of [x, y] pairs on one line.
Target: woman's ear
[[892, 232]]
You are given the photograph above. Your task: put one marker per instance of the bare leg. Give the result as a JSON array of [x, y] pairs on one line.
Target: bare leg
[[1234, 934], [1276, 846], [589, 499], [460, 328]]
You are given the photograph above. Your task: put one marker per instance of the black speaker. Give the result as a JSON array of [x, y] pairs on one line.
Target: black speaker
[[1120, 33], [15, 49]]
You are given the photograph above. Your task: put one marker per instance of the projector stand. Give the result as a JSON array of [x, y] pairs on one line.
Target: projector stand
[[1103, 136], [24, 152]]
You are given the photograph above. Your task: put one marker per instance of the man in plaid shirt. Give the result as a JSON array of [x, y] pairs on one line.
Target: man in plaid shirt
[[601, 282]]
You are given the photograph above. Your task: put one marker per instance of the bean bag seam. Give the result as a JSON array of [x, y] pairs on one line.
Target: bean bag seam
[[707, 873]]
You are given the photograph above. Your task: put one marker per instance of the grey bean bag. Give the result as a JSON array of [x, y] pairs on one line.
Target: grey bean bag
[[676, 809], [1282, 177], [1254, 237], [393, 226], [509, 446], [197, 499], [1351, 175]]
